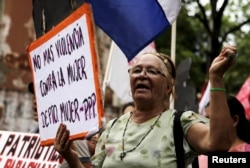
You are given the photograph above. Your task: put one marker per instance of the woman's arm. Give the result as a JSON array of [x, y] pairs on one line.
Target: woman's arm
[[66, 147], [218, 135]]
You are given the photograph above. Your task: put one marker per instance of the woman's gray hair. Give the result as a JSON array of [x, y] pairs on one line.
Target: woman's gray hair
[[171, 70]]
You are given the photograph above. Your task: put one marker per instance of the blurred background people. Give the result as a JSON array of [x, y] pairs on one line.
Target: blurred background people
[[241, 129], [128, 107]]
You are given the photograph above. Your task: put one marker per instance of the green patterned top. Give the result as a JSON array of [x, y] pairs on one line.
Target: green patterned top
[[156, 150]]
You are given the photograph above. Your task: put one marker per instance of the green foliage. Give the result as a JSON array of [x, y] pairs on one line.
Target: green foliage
[[198, 40], [189, 34], [237, 75]]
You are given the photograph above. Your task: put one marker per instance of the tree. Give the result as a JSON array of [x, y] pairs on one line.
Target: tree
[[237, 75], [189, 36], [203, 28], [213, 17]]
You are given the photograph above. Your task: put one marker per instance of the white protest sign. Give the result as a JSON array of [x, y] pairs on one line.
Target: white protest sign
[[66, 82], [24, 150]]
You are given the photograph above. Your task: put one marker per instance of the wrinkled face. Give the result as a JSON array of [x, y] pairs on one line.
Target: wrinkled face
[[148, 80]]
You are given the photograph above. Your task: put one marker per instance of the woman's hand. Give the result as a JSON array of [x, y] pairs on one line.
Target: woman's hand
[[223, 62], [66, 147], [63, 144]]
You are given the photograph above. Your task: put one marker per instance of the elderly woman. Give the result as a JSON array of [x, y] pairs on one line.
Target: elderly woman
[[144, 137]]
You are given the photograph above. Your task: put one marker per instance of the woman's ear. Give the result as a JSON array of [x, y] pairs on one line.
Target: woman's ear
[[235, 120], [169, 90]]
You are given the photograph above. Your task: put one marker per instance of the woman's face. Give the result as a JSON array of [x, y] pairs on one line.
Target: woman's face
[[147, 80]]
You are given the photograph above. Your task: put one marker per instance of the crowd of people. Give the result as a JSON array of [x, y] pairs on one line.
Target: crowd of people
[[143, 135]]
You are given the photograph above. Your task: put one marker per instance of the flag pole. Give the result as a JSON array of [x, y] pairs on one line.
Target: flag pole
[[173, 52], [106, 75]]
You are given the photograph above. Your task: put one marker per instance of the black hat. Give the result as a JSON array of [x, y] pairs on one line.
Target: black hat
[[31, 87]]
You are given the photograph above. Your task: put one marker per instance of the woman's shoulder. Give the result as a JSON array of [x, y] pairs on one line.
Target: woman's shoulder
[[188, 118], [113, 121], [191, 116]]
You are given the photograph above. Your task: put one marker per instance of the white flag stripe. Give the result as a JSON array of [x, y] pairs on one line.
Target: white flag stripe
[[204, 100]]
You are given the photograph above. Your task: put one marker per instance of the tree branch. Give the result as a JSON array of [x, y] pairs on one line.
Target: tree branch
[[235, 28], [222, 9], [203, 17]]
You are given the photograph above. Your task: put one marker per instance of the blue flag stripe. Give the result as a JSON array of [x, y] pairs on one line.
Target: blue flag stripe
[[131, 24]]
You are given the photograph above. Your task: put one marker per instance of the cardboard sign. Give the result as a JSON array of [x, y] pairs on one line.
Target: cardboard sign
[[66, 82], [24, 150]]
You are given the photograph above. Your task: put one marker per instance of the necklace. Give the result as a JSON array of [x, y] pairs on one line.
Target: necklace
[[123, 153]]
